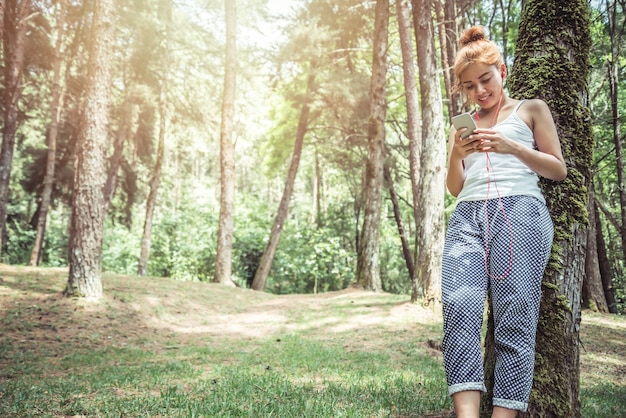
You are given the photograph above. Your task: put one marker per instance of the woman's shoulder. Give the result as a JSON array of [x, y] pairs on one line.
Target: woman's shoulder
[[531, 110], [535, 105]]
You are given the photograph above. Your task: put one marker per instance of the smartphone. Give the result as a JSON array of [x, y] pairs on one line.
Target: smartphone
[[464, 120]]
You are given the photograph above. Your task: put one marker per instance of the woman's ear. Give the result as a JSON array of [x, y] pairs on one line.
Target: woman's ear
[[503, 71]]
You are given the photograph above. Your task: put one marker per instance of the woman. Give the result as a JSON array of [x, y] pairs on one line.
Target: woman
[[500, 235]]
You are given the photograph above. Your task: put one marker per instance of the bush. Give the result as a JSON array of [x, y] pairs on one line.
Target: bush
[[311, 261]]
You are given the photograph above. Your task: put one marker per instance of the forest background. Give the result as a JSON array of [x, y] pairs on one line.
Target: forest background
[[169, 64]]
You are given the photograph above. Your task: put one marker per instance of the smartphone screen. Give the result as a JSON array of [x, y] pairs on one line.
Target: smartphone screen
[[464, 120]]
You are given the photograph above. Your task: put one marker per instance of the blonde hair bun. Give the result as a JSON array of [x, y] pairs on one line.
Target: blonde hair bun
[[473, 34]]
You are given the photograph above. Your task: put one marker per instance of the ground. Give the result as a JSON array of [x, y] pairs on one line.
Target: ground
[[134, 307], [163, 314]]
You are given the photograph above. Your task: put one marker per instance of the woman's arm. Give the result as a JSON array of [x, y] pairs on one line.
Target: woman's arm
[[455, 176], [458, 150], [547, 160]]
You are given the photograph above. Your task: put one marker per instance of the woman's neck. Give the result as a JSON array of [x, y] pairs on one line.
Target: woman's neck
[[490, 116]]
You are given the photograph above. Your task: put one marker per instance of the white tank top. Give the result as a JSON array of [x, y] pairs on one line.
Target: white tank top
[[507, 176]]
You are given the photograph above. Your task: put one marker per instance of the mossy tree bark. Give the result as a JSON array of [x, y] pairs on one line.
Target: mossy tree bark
[[552, 63]]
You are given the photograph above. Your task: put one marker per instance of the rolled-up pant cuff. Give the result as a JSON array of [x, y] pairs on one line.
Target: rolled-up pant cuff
[[460, 387], [509, 404]]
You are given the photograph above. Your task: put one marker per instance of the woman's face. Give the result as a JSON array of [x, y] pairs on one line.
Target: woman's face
[[483, 83]]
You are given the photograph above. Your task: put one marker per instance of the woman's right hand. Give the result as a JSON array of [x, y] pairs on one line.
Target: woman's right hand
[[462, 147], [458, 150]]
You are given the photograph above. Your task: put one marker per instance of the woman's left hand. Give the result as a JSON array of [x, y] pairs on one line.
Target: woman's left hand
[[488, 140]]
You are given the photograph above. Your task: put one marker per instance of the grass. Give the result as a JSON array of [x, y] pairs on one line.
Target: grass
[[161, 348]]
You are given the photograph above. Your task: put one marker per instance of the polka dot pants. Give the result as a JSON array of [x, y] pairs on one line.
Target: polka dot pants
[[516, 234]]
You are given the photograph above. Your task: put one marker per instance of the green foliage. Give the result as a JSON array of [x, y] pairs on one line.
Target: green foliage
[[249, 241], [311, 261], [20, 241], [20, 233], [56, 238], [184, 246], [120, 249], [393, 270]]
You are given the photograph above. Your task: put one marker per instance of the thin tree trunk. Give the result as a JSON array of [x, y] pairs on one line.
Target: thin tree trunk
[[87, 219], [265, 265], [397, 214], [165, 13], [607, 213], [55, 112], [504, 15], [450, 16], [368, 269], [126, 117], [593, 292], [316, 215], [431, 193], [613, 78], [603, 262], [223, 257], [16, 15], [155, 181], [413, 122], [443, 50]]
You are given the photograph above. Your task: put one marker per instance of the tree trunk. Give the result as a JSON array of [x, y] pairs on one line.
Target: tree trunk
[[87, 219], [593, 292], [155, 181], [223, 257], [413, 122], [448, 40], [265, 265], [430, 224], [603, 262], [55, 112], [316, 214], [552, 63], [165, 13], [397, 214], [115, 161], [16, 16], [452, 29], [368, 270], [613, 78]]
